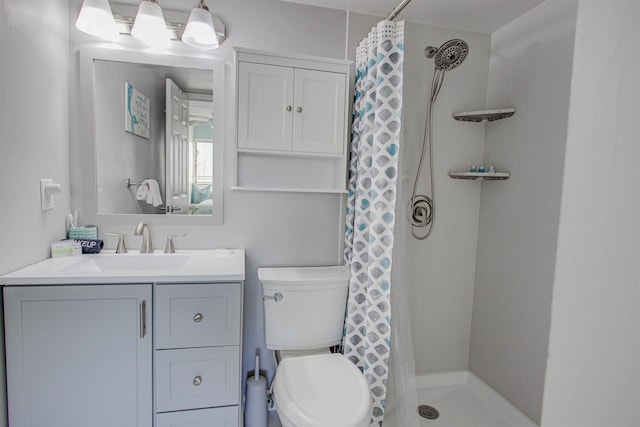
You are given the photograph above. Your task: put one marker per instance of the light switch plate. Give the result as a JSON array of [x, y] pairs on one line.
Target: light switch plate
[[47, 202]]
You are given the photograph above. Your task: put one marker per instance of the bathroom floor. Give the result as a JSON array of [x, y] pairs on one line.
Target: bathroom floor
[[463, 400]]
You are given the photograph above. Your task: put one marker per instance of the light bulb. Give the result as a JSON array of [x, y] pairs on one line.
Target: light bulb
[[96, 18], [200, 31], [149, 26]]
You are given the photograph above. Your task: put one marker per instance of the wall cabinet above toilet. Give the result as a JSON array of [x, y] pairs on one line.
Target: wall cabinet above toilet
[[290, 109], [291, 122]]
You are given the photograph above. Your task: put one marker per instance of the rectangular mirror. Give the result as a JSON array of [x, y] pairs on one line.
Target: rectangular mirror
[[155, 134]]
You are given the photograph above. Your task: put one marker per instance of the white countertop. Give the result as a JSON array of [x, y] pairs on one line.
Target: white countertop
[[215, 265]]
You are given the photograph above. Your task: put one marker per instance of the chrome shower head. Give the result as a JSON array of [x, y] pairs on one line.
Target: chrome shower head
[[450, 55]]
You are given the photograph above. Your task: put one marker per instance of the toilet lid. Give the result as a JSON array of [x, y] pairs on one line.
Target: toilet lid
[[322, 390]]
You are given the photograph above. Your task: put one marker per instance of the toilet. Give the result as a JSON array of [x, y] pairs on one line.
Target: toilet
[[304, 310]]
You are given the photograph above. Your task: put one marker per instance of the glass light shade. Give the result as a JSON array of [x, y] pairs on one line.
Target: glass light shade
[[96, 18], [200, 31], [150, 26]]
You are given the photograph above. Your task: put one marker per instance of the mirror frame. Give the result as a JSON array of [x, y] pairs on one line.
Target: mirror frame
[[89, 185]]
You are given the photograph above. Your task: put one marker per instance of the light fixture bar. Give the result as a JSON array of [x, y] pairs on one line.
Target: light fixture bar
[[124, 15]]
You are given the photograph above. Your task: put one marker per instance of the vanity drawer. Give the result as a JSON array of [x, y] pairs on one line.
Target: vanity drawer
[[201, 315], [197, 378], [213, 417]]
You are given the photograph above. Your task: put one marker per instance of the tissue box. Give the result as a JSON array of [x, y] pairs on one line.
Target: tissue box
[[65, 248], [88, 232]]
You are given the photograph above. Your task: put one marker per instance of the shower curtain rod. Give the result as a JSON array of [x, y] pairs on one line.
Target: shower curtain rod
[[397, 10]]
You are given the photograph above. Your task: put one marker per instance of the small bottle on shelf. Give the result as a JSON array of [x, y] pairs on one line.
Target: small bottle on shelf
[[492, 169], [473, 169], [481, 169]]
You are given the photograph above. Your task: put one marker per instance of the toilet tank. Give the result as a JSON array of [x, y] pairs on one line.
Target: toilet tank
[[304, 307]]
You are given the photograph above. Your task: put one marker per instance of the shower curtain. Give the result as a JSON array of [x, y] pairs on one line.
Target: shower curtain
[[371, 205]]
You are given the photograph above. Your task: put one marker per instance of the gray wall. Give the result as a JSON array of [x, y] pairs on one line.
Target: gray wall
[[531, 61], [594, 347], [34, 125]]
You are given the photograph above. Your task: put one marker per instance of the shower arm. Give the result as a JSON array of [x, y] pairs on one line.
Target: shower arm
[[392, 16]]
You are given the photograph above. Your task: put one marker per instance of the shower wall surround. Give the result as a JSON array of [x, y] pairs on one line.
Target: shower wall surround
[[518, 227], [442, 267]]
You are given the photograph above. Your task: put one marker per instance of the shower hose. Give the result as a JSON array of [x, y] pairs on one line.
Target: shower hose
[[422, 208]]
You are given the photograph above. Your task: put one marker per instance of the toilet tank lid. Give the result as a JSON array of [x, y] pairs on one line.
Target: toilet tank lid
[[302, 275]]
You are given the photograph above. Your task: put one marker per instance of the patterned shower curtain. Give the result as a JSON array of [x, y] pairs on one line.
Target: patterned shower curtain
[[371, 205]]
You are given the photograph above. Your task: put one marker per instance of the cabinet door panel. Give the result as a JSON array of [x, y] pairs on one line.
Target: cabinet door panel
[[203, 315], [75, 356], [265, 93], [319, 112]]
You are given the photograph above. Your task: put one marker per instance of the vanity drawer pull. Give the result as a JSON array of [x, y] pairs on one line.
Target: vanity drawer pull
[[197, 381], [198, 317], [143, 319]]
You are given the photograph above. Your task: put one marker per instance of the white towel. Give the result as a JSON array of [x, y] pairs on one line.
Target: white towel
[[153, 198], [143, 192]]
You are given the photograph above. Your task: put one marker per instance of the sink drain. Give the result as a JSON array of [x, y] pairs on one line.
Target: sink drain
[[428, 412]]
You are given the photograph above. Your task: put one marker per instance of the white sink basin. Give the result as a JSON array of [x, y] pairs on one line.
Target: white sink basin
[[134, 267], [136, 262]]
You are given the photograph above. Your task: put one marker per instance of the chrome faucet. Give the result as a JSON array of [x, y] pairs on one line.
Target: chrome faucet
[[143, 230]]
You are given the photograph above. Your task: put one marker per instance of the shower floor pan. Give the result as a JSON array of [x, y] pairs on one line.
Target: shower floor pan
[[464, 400]]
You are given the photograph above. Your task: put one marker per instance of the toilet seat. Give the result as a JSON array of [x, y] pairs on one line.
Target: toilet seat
[[324, 390]]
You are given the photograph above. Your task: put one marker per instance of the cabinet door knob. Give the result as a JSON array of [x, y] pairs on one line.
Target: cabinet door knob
[[197, 380], [299, 109], [289, 108], [198, 317]]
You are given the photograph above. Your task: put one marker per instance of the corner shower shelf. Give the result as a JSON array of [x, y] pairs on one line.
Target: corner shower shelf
[[488, 176], [482, 115]]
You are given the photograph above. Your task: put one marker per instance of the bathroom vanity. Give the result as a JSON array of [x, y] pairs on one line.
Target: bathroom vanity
[[125, 340]]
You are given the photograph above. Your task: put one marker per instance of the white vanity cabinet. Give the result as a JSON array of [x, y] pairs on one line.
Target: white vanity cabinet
[[79, 355], [291, 122]]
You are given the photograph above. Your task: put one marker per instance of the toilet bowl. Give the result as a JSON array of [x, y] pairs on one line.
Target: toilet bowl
[[304, 316], [325, 390]]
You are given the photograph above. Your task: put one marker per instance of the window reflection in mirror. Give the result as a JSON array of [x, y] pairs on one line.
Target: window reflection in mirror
[[153, 126]]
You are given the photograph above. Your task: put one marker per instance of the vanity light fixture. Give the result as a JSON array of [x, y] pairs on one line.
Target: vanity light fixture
[[147, 23], [200, 31], [150, 26], [96, 18]]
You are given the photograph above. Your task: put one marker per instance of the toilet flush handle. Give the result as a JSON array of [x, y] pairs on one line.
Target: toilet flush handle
[[277, 297]]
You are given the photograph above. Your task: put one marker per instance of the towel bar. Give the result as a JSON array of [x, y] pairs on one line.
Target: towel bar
[[130, 183]]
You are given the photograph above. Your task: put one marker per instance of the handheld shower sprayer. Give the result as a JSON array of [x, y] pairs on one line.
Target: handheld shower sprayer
[[422, 208]]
